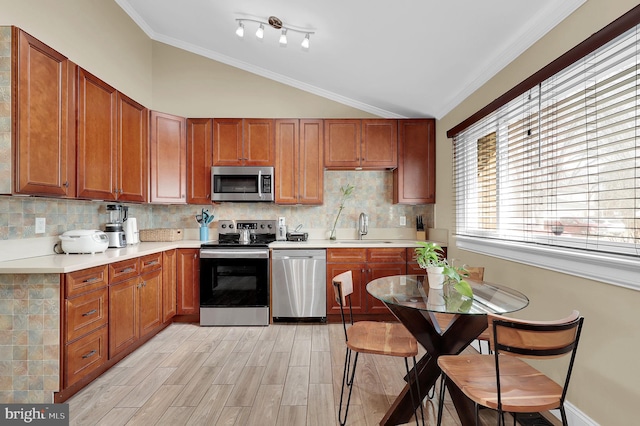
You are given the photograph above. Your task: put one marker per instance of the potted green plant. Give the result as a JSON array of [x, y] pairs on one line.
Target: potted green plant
[[430, 257]]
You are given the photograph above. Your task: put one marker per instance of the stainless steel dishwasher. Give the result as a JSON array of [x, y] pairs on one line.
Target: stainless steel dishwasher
[[298, 284]]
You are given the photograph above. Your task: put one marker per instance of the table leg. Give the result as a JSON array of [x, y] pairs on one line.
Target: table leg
[[462, 331]]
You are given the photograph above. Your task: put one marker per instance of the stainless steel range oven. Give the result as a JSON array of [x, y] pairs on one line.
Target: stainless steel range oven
[[234, 274]]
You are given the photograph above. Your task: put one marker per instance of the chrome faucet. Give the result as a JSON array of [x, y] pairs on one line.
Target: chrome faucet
[[363, 225]]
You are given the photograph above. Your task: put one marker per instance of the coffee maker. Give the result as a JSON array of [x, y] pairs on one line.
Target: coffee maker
[[115, 228]]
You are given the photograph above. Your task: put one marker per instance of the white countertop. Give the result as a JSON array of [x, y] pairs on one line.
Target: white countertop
[[64, 263]]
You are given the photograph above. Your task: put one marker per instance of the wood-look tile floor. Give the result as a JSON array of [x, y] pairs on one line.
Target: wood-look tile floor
[[283, 374]]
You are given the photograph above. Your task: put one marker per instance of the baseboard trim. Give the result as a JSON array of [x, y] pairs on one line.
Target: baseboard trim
[[575, 417]]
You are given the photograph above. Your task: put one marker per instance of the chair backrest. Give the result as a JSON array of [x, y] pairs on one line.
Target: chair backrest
[[342, 287], [535, 339], [532, 339], [475, 273]]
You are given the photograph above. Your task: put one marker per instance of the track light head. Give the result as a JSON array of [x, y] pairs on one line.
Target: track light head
[[305, 42], [240, 29], [283, 37], [260, 32]]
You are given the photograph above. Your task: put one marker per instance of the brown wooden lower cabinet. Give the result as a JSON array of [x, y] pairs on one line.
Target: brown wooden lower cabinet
[[365, 265], [111, 310], [188, 270], [84, 320], [169, 285], [85, 355], [135, 304]]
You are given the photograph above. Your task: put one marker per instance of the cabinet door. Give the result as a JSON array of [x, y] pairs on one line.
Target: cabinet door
[[199, 160], [379, 144], [169, 285], [258, 142], [342, 144], [414, 181], [379, 270], [133, 145], [168, 158], [310, 169], [188, 270], [287, 162], [357, 299], [227, 141], [44, 114], [97, 149], [123, 315], [150, 302]]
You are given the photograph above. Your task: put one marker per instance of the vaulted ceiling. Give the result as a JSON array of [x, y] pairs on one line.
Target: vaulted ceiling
[[395, 59]]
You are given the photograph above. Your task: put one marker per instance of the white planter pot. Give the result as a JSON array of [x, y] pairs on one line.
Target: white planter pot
[[436, 277]]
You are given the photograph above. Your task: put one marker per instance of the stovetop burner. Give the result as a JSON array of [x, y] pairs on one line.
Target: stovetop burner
[[262, 233]]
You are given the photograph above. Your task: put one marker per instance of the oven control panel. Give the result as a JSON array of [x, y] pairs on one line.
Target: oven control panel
[[255, 226]]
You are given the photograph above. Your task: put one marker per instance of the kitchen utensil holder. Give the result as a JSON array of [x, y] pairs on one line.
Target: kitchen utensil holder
[[204, 233]]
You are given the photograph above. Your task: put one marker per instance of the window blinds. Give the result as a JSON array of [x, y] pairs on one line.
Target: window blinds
[[560, 164]]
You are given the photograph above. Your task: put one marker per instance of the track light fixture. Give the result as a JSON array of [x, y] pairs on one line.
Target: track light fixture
[[278, 25]]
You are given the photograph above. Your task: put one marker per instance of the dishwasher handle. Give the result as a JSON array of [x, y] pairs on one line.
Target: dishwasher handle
[[296, 257]]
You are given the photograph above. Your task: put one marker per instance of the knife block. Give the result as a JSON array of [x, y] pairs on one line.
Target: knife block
[[421, 235]]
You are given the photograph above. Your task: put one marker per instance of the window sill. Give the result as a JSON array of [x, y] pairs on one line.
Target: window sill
[[613, 269]]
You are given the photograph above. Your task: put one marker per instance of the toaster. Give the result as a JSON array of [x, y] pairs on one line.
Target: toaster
[[84, 241]]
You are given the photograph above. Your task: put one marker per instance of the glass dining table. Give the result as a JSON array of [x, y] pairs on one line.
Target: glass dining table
[[444, 322]]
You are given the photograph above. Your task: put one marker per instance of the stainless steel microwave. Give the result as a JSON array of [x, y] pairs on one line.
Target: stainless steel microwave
[[242, 183]]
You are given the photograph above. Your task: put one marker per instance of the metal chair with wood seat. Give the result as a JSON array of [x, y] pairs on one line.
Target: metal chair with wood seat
[[371, 337], [505, 382]]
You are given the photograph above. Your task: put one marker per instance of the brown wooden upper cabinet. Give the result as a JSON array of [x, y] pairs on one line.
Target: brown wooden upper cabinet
[[168, 158], [112, 143], [299, 155], [199, 160], [415, 178], [243, 142], [355, 144], [44, 117]]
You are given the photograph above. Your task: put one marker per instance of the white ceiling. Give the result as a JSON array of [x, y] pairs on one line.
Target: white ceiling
[[395, 59]]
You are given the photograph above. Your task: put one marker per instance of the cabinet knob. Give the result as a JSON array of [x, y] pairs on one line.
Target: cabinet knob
[[66, 184]]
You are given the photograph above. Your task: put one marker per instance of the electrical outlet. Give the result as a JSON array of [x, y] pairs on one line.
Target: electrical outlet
[[40, 225], [403, 221]]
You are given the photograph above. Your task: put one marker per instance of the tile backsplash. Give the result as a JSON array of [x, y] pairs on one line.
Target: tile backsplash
[[372, 195]]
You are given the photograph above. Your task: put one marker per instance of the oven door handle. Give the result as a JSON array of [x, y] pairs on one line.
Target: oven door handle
[[234, 254]]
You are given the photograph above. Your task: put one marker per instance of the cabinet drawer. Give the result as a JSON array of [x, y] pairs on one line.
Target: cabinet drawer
[[346, 255], [85, 355], [85, 280], [387, 255], [120, 271], [150, 262], [86, 313]]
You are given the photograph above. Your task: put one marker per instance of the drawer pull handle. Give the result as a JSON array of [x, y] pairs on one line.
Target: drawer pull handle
[[153, 262], [89, 355], [91, 312], [91, 280], [125, 270]]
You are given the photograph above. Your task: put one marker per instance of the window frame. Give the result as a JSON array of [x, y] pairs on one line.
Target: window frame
[[617, 269]]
